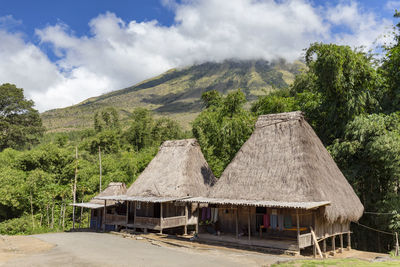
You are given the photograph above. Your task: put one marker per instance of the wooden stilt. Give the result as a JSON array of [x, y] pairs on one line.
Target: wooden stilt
[[341, 243], [348, 241], [186, 219], [237, 222], [324, 247], [249, 225], [161, 217], [316, 242], [314, 250], [334, 245], [88, 218], [134, 214], [104, 216]]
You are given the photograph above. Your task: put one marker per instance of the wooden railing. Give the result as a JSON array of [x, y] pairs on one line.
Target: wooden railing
[[173, 221], [115, 219], [147, 221], [305, 240]]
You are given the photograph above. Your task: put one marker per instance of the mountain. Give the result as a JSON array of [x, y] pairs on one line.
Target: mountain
[[177, 92]]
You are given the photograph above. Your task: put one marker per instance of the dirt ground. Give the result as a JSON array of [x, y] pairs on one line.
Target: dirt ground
[[100, 249], [17, 246]]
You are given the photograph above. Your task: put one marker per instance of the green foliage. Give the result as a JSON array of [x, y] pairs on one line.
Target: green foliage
[[20, 123], [222, 128], [107, 119], [275, 102]]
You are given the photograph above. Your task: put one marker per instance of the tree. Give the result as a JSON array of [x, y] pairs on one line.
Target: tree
[[390, 70], [222, 128], [340, 84], [107, 119], [20, 123]]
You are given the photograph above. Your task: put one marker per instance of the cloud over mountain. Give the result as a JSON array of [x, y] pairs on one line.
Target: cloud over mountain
[[119, 53]]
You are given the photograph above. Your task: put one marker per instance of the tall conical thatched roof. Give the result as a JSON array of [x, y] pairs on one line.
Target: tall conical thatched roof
[[178, 170], [113, 189], [284, 160]]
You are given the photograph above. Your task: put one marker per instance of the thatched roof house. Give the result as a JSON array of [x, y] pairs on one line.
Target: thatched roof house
[[178, 170], [113, 189], [285, 161]]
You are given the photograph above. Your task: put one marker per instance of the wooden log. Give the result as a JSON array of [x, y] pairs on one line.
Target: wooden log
[[348, 241], [341, 243], [237, 222], [248, 222], [186, 219], [324, 247], [316, 242], [334, 245]]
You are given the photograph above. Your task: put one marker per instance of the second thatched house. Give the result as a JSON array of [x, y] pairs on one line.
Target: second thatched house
[[283, 183], [178, 171]]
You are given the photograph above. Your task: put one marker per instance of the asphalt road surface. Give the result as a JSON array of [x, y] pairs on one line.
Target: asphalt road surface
[[100, 249]]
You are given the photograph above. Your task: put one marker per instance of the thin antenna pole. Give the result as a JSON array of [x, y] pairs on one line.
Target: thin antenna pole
[[100, 169], [74, 188]]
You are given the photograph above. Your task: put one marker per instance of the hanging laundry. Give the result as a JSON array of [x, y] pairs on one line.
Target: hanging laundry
[[203, 214], [280, 222], [208, 213], [274, 221], [266, 221], [215, 214], [288, 221]]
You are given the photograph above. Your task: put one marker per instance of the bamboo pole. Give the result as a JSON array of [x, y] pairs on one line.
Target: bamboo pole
[[100, 169], [74, 187], [298, 228]]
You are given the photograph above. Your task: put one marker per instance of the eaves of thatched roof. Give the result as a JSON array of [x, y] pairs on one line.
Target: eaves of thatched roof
[[285, 161], [178, 170]]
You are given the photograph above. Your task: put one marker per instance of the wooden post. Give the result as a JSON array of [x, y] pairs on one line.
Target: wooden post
[[341, 243], [186, 219], [334, 245], [198, 218], [348, 241], [104, 216], [134, 215], [161, 216], [80, 218], [248, 222], [88, 217], [237, 223], [298, 228], [324, 247], [316, 242], [314, 250], [397, 245], [127, 214]]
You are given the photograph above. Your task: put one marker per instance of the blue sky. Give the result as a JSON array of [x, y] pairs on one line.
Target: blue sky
[[62, 52]]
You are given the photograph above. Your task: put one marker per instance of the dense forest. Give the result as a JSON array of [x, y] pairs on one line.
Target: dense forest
[[350, 98]]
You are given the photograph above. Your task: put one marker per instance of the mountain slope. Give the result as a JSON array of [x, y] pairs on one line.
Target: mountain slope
[[177, 92]]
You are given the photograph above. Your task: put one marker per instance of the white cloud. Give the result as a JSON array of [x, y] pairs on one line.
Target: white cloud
[[362, 28], [392, 5], [120, 53]]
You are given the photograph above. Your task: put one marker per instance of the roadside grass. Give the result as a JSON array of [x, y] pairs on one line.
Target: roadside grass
[[335, 262]]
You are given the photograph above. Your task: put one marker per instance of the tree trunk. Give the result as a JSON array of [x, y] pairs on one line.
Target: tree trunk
[[52, 214], [63, 219], [33, 219], [47, 215], [41, 217]]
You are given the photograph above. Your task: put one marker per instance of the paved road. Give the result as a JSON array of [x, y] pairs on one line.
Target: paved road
[[98, 249]]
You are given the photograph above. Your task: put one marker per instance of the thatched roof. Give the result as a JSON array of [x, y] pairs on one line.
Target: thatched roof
[[113, 189], [284, 160], [178, 170]]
